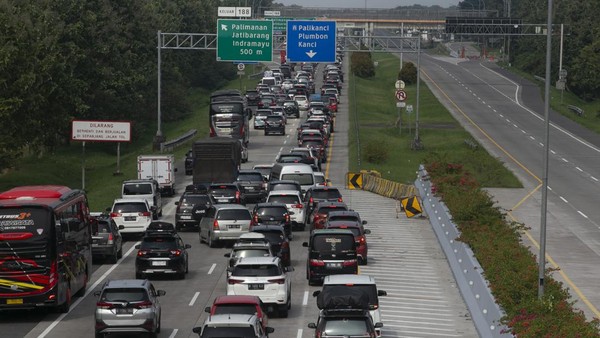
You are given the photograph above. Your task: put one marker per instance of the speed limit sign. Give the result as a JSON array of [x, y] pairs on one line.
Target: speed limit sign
[[241, 66], [400, 95]]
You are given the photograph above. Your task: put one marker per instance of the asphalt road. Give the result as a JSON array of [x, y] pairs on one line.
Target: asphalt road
[[505, 114]]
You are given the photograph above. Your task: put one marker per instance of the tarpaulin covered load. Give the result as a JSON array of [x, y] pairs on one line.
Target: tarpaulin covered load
[[343, 299]]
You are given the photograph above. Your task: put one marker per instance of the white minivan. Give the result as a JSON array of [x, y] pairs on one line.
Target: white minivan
[[293, 202], [300, 172], [147, 189]]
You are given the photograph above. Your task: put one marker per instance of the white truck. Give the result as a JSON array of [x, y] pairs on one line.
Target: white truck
[[160, 168]]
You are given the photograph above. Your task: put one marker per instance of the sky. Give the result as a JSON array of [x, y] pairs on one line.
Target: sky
[[370, 3]]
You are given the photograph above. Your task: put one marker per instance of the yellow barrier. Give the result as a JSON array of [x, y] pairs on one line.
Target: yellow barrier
[[373, 182]]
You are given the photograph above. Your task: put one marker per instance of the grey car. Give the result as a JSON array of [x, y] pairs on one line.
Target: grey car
[[224, 222], [128, 305], [107, 242]]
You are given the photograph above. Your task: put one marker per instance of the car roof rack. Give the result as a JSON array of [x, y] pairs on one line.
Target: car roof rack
[[156, 228]]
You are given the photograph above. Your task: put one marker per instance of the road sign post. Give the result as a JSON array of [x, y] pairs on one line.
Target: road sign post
[[244, 40], [311, 41]]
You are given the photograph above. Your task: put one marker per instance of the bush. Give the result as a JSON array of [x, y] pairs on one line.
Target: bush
[[408, 73], [362, 64], [376, 153]]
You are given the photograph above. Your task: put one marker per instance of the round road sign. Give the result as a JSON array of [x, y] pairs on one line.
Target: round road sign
[[400, 84], [400, 95], [241, 66]]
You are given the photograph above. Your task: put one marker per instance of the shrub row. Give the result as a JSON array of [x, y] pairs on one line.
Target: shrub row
[[510, 268]]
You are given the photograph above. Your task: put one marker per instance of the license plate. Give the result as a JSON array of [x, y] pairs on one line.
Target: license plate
[[334, 265], [186, 217], [234, 226], [256, 286], [14, 301], [159, 263], [200, 211], [223, 200], [129, 218], [249, 188], [124, 311]]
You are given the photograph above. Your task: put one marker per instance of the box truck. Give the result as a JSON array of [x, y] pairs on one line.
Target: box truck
[[160, 168]]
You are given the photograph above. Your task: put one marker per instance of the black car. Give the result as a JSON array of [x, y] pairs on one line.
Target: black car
[[226, 193], [162, 251], [252, 97], [280, 244], [317, 194], [291, 108], [274, 124], [345, 323], [189, 162], [272, 214], [330, 252], [253, 185], [190, 209], [107, 241]]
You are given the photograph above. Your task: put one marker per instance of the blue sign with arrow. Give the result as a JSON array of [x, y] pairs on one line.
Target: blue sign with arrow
[[310, 41]]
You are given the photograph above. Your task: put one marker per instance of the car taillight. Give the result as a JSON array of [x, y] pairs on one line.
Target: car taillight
[[298, 206], [144, 214], [265, 185], [232, 281], [178, 210], [317, 334], [340, 199], [237, 196], [278, 280], [255, 219], [212, 132], [242, 131], [142, 253], [311, 201], [142, 305], [362, 240], [287, 218], [216, 224], [110, 239], [115, 214], [351, 262], [104, 305], [175, 252], [316, 262]]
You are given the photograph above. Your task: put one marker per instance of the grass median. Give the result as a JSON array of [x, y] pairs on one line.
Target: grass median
[[386, 147]]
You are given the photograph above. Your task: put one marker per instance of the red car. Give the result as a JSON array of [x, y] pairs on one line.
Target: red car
[[230, 304], [332, 105], [319, 216], [359, 237]]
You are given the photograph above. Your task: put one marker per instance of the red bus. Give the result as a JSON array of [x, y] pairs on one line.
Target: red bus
[[45, 247]]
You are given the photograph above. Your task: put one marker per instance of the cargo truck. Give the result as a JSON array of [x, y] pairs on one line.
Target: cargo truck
[[216, 160], [160, 168]]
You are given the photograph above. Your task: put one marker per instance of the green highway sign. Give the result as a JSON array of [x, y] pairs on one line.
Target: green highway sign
[[280, 24], [244, 40]]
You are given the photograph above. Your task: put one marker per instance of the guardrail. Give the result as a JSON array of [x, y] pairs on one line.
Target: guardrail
[[539, 78], [578, 111], [486, 314], [172, 144], [387, 188]]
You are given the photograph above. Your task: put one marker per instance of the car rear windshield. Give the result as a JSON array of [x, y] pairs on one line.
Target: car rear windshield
[[284, 186], [137, 189], [346, 327], [223, 190], [369, 289], [250, 177], [333, 243], [326, 194], [274, 118], [285, 199], [101, 227], [355, 230], [256, 270], [124, 295], [189, 200], [263, 112], [273, 236], [343, 218], [243, 309], [234, 214], [251, 253], [312, 144], [272, 211], [327, 209], [227, 332], [130, 207], [319, 179], [159, 243], [303, 179]]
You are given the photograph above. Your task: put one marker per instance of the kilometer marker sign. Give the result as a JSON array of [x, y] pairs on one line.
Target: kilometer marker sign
[[244, 40]]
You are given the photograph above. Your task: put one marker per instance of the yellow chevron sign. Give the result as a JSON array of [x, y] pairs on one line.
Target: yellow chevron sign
[[354, 181], [411, 206]]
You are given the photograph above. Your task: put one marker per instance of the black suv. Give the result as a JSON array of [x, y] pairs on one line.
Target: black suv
[[189, 162], [252, 97], [274, 124], [317, 194], [291, 108], [345, 323], [330, 252], [190, 209], [162, 252], [253, 185], [280, 244], [272, 214], [107, 241], [226, 193]]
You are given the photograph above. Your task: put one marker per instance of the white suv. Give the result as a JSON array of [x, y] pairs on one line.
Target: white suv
[[132, 215], [264, 277], [293, 201]]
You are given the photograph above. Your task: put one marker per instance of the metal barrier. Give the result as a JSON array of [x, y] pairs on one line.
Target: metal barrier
[[172, 144], [387, 188], [539, 78], [486, 314], [576, 110]]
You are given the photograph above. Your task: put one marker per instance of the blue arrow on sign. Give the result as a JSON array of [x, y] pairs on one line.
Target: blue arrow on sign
[[310, 41]]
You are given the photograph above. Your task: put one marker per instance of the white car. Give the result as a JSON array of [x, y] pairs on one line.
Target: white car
[[264, 277], [132, 215], [287, 85], [302, 101], [293, 201], [320, 179]]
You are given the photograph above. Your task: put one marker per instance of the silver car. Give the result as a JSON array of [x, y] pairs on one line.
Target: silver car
[[129, 305], [224, 222]]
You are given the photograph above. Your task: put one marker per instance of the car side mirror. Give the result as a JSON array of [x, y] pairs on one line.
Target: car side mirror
[[207, 309], [305, 244], [197, 330], [175, 170], [381, 293], [138, 246], [97, 293], [364, 222], [160, 293], [121, 227], [312, 325], [228, 255], [177, 203], [187, 246], [378, 325], [289, 269], [316, 293], [367, 231], [153, 208], [108, 209]]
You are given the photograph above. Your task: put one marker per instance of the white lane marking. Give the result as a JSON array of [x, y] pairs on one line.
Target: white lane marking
[[305, 299], [299, 335], [484, 103], [541, 144], [89, 290], [174, 333], [507, 120], [553, 152], [565, 160], [495, 111], [595, 179], [549, 188], [523, 131], [531, 137], [514, 125], [579, 169], [194, 298], [564, 200], [501, 115], [582, 214], [212, 268]]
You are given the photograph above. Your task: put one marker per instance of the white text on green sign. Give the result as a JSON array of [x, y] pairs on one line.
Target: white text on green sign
[[244, 40]]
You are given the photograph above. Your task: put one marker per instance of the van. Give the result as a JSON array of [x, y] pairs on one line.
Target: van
[[303, 173], [330, 252], [269, 81], [144, 189]]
